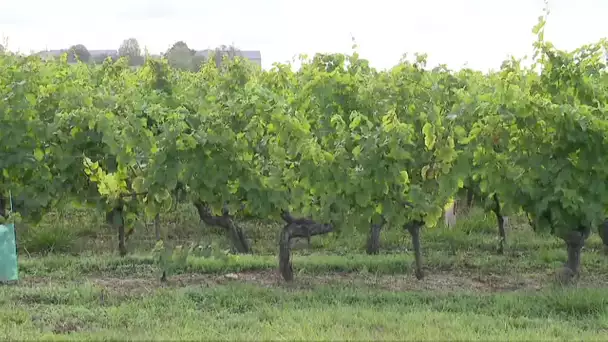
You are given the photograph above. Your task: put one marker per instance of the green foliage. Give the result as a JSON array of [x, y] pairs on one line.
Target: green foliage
[[335, 140], [539, 137], [56, 239], [172, 258]]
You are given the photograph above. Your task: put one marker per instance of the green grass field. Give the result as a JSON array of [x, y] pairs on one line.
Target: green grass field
[[73, 286]]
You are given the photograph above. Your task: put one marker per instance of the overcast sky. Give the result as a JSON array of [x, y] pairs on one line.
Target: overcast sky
[[480, 32]]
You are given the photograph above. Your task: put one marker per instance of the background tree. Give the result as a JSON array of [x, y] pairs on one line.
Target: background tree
[[79, 52], [229, 51], [181, 56], [3, 44], [130, 49]]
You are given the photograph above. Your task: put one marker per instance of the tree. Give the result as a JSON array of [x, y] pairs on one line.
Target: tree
[[180, 56], [1, 48], [130, 49], [229, 51], [79, 52], [180, 46]]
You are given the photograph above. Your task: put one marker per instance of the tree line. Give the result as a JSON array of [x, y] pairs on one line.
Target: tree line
[[179, 55]]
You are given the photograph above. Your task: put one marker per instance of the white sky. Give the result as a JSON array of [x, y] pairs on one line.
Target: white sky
[[480, 32]]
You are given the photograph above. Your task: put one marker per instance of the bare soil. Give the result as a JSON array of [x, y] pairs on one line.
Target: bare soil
[[452, 281]]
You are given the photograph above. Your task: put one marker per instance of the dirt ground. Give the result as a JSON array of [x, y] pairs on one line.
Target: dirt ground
[[453, 281]]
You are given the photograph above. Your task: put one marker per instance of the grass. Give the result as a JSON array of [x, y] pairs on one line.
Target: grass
[[73, 286]]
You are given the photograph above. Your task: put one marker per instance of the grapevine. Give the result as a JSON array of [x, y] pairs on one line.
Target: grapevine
[[335, 146]]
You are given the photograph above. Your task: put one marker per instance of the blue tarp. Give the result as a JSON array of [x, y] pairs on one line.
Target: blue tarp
[[8, 253]]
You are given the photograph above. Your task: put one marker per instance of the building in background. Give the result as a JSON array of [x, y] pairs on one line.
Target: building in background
[[254, 56]]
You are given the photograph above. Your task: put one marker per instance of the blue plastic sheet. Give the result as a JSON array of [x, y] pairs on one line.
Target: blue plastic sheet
[[8, 253]]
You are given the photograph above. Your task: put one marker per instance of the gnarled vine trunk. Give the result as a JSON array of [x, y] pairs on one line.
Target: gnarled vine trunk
[[373, 241], [575, 241], [470, 197], [157, 227], [115, 219], [414, 229], [296, 228], [501, 224], [603, 232], [3, 206], [225, 221]]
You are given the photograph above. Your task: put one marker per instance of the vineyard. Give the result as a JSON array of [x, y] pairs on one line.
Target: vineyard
[[275, 204]]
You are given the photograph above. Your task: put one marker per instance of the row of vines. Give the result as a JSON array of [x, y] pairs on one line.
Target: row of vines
[[335, 145]]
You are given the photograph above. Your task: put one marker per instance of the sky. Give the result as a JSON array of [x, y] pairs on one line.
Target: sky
[[475, 33]]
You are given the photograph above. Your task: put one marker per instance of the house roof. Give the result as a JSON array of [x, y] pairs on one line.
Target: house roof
[[103, 52]]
